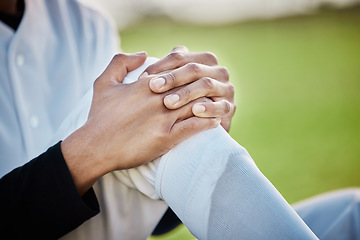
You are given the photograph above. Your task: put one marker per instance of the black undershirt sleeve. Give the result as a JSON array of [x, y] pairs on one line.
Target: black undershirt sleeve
[[167, 223], [40, 201]]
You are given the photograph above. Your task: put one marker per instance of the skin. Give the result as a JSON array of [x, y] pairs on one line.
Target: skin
[[109, 141], [202, 77], [9, 6], [121, 136]]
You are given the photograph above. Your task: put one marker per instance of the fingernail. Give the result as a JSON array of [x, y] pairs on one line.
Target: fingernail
[[199, 108], [172, 99], [144, 74], [157, 82]]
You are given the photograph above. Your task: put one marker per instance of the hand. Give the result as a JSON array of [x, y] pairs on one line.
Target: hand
[[128, 125], [200, 76]]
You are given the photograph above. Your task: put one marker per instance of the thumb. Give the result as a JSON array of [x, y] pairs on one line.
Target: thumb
[[120, 65]]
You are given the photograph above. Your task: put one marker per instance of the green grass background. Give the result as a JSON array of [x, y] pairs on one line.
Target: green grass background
[[297, 91]]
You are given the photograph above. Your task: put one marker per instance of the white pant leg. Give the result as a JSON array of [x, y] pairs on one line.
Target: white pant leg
[[210, 182], [215, 188], [334, 215]]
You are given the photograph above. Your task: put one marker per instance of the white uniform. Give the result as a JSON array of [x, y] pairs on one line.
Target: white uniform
[[47, 65], [210, 181]]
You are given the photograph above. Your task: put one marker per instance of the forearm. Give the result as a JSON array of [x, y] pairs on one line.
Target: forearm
[[39, 199], [84, 165]]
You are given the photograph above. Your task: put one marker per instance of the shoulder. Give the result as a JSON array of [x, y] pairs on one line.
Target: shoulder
[[82, 15], [92, 13]]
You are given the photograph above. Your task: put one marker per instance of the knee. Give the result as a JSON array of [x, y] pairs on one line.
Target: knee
[[353, 194]]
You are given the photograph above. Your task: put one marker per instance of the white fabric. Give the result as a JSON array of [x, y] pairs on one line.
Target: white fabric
[[192, 178], [129, 205], [215, 188], [334, 215], [142, 177], [125, 213], [47, 65]]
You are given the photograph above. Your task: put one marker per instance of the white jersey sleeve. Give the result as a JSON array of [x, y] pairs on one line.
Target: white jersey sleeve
[[209, 181]]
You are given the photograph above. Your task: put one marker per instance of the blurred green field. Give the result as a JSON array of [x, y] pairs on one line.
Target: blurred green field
[[297, 90]]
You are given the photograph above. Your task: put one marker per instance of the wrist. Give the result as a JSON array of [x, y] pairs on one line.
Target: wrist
[[84, 166]]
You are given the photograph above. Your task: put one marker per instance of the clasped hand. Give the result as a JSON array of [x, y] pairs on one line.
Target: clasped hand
[[131, 124]]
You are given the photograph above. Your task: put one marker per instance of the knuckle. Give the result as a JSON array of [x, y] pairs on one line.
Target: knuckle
[[193, 125], [170, 79], [185, 93], [159, 137], [227, 107], [225, 72], [152, 69], [194, 67], [231, 89], [208, 83], [161, 134], [119, 57], [212, 57], [179, 48], [177, 57], [96, 83]]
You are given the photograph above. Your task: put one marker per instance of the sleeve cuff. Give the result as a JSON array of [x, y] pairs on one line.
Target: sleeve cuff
[[72, 209]]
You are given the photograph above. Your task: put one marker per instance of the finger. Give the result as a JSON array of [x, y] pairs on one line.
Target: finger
[[218, 109], [186, 111], [204, 87], [178, 59], [180, 49], [187, 74], [226, 121], [191, 126], [120, 65]]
